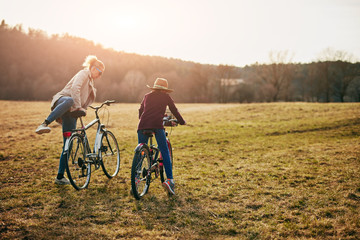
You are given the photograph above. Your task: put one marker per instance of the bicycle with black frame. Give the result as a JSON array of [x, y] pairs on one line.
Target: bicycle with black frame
[[147, 163]]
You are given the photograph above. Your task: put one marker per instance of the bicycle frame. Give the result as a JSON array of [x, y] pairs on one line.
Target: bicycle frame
[[99, 133], [149, 147], [153, 147], [80, 158], [148, 161], [154, 151]]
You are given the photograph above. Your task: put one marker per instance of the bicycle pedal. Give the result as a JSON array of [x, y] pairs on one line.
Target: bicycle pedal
[[104, 148]]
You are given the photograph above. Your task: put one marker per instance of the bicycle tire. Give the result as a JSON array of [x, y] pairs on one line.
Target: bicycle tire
[[78, 169], [141, 163], [162, 169], [109, 154]]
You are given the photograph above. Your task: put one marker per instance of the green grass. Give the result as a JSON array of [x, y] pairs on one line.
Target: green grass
[[249, 171]]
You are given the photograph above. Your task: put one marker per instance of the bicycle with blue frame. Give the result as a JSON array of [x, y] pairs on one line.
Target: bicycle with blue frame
[[81, 160], [147, 163]]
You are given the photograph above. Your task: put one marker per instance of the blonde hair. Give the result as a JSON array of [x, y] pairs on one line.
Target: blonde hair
[[92, 60]]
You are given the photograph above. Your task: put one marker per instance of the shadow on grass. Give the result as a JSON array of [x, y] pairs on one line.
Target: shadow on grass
[[174, 216], [81, 214], [340, 124]]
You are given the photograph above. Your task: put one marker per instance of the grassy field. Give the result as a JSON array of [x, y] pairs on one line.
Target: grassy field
[[249, 171]]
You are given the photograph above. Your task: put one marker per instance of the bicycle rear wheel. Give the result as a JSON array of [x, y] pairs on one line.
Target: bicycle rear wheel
[[162, 174], [78, 168], [110, 155], [141, 164]]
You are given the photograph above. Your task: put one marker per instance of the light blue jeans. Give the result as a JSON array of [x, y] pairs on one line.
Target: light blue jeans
[[61, 110], [161, 141]]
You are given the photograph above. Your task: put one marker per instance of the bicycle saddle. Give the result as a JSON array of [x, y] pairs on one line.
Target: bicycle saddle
[[78, 113], [148, 132]]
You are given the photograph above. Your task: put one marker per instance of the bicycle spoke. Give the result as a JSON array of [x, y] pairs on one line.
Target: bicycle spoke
[[78, 170], [139, 173], [109, 145], [110, 155]]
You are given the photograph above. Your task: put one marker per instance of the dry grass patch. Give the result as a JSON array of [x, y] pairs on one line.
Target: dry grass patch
[[249, 171]]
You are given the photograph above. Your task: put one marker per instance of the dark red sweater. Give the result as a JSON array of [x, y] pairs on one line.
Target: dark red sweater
[[153, 108]]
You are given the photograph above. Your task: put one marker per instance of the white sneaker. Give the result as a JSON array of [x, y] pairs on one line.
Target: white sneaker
[[43, 128], [63, 181]]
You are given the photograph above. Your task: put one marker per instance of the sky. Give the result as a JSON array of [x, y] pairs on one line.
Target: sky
[[231, 32]]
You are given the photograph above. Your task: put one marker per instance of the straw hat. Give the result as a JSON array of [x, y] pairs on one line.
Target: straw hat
[[160, 84]]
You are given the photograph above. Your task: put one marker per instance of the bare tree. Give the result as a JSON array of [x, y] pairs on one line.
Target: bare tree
[[134, 81], [332, 55], [198, 84], [277, 75], [225, 72], [333, 72]]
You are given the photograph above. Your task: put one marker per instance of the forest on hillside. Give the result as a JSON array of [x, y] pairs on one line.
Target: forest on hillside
[[34, 66]]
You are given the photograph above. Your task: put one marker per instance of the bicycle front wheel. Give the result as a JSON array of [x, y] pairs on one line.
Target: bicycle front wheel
[[78, 168], [110, 154], [141, 164]]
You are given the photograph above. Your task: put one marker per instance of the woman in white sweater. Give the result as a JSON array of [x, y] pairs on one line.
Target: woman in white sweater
[[77, 95]]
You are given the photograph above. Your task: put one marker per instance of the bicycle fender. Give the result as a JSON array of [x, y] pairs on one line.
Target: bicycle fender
[[67, 141], [139, 146], [66, 146]]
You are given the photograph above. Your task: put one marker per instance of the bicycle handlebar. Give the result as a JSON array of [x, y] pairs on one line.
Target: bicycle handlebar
[[107, 102], [167, 121]]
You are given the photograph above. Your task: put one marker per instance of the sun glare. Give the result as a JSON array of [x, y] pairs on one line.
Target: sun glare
[[236, 32], [125, 22]]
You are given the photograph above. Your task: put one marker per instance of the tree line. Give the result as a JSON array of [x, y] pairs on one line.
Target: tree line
[[35, 66]]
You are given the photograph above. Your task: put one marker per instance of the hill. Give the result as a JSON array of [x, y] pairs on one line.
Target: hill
[[35, 66]]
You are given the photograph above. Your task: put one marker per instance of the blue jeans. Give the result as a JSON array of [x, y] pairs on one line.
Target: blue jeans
[[62, 106], [161, 141], [61, 110]]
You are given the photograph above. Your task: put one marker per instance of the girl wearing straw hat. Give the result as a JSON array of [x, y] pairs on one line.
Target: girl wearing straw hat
[[151, 113]]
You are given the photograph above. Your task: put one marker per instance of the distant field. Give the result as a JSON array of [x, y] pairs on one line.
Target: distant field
[[249, 171]]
